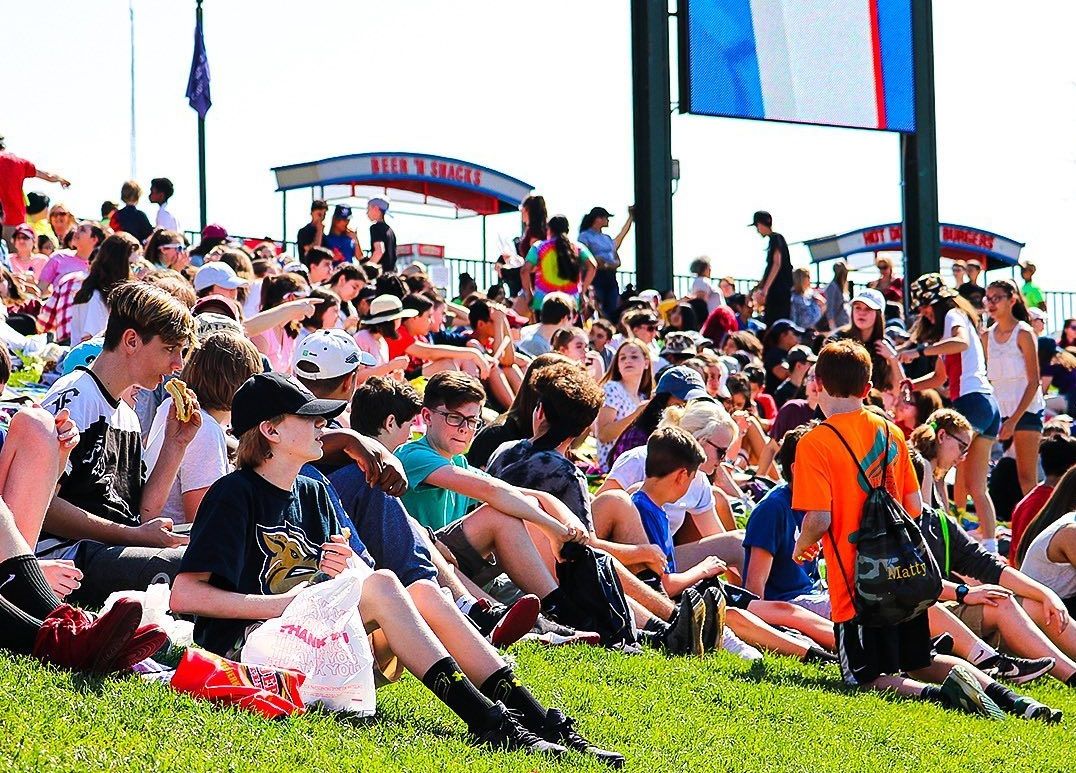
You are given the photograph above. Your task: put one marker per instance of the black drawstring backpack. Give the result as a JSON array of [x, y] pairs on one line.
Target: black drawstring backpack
[[896, 576]]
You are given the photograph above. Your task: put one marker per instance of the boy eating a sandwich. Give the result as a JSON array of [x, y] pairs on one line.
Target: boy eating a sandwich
[[105, 516]]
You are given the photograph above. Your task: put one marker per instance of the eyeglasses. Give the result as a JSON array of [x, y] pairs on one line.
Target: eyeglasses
[[719, 452], [176, 247], [996, 298], [458, 420]]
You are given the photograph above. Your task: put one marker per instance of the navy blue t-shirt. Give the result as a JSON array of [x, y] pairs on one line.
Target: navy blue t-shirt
[[774, 527], [383, 526], [656, 525]]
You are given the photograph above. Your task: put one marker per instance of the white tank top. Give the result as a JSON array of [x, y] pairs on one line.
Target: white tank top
[[1060, 578], [1005, 369]]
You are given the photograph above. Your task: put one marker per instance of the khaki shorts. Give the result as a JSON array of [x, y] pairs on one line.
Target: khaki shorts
[[971, 615], [478, 569]]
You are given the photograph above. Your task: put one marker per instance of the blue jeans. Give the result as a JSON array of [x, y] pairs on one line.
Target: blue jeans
[[607, 292]]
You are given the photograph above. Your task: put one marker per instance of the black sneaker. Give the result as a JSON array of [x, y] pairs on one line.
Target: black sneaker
[[713, 629], [1017, 670], [684, 635], [560, 728], [503, 731], [1029, 708]]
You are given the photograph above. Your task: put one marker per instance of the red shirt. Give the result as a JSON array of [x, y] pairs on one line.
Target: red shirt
[[766, 406], [13, 170], [1026, 509], [398, 346]]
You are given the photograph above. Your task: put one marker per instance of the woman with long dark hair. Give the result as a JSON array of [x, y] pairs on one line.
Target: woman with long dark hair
[[517, 422], [837, 297], [167, 249], [1012, 365], [278, 343], [557, 265], [867, 326], [112, 265], [948, 328], [628, 384], [1047, 551]]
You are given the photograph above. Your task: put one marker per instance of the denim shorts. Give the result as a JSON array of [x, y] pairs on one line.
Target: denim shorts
[[1030, 422], [982, 413]]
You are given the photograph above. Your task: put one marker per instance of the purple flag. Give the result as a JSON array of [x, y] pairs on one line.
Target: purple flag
[[198, 82]]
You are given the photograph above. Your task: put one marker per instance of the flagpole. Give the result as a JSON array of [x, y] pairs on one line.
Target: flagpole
[[201, 143]]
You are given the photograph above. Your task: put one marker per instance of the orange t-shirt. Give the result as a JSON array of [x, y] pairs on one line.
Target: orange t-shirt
[[828, 480]]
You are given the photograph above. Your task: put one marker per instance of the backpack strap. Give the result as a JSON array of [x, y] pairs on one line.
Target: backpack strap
[[944, 519], [855, 459]]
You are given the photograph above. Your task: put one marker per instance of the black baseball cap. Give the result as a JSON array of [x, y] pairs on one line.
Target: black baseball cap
[[267, 395], [761, 217], [600, 212]]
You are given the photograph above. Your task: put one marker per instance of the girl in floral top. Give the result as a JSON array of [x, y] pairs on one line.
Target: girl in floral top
[[628, 386]]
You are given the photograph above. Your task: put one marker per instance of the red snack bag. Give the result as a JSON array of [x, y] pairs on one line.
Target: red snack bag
[[271, 692]]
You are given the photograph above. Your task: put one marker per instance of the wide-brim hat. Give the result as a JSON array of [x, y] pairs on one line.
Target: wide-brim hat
[[385, 308]]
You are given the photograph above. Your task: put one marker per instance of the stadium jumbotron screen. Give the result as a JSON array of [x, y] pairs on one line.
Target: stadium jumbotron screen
[[839, 63]]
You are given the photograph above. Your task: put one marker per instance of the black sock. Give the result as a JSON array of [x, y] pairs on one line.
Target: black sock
[[447, 682], [27, 589], [660, 628], [1002, 695], [818, 655], [1071, 681], [504, 686], [934, 693], [18, 630]]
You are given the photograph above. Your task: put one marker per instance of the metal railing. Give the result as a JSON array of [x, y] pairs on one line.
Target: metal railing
[[1060, 304]]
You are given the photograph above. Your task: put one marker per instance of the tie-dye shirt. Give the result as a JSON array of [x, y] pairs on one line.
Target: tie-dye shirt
[[547, 279]]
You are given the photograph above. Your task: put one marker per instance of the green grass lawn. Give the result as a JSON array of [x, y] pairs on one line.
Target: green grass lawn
[[716, 714]]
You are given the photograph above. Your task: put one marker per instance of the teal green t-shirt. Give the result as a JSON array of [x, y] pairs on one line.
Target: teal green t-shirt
[[430, 505]]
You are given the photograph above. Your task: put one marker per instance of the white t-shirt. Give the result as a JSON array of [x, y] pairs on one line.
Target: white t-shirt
[[971, 368], [205, 461], [712, 295], [166, 219], [253, 304], [630, 468], [88, 319]]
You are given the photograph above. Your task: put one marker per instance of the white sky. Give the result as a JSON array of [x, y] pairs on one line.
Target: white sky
[[539, 91]]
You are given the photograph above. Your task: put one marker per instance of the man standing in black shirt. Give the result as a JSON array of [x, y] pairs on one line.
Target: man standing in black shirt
[[776, 285], [382, 237], [311, 234]]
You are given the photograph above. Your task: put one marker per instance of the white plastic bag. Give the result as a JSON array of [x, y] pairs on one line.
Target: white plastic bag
[[322, 636]]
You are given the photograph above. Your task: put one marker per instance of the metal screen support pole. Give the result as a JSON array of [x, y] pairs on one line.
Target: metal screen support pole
[[284, 219], [919, 158], [653, 143]]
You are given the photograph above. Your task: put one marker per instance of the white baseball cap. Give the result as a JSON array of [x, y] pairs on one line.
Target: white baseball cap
[[871, 298], [327, 354], [217, 274]]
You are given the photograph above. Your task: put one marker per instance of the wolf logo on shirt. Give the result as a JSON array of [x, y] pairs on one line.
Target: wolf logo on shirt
[[290, 558]]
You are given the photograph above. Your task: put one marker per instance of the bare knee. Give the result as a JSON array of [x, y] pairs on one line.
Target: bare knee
[[383, 584], [33, 422]]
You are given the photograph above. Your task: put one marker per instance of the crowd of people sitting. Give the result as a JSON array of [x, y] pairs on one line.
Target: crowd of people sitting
[[471, 448]]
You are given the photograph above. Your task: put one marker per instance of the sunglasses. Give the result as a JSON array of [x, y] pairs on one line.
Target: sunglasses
[[719, 452], [458, 420], [176, 247]]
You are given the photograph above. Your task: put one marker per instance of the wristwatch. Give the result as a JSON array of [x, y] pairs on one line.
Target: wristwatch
[[961, 593], [921, 348]]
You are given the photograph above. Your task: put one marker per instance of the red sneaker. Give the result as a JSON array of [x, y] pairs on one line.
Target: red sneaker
[[517, 621], [145, 643], [70, 639]]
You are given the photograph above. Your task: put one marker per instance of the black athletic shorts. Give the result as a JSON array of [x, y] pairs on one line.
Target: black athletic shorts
[[867, 653]]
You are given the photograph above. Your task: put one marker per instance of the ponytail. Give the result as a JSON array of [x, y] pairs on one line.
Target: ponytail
[[924, 438], [568, 263]]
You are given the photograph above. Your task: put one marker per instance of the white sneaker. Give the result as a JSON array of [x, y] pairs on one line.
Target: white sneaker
[[737, 646]]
